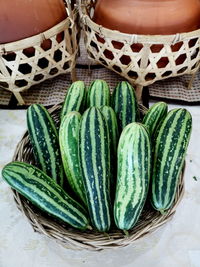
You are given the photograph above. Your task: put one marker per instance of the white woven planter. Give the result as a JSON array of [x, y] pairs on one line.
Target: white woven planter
[[141, 59], [32, 60]]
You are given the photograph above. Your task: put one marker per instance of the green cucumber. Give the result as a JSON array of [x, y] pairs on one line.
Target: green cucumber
[[44, 139], [95, 163], [74, 99], [133, 175], [69, 146], [98, 94], [43, 191], [155, 116], [169, 155], [124, 103], [111, 120]]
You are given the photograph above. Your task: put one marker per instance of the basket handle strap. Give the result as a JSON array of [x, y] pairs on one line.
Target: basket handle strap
[[70, 5]]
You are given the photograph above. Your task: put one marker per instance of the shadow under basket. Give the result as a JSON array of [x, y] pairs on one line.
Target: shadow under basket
[[141, 59], [72, 238], [32, 60]]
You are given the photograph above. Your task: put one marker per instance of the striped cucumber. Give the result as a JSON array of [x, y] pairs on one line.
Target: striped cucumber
[[95, 163], [98, 94], [74, 99], [169, 154], [69, 146], [133, 175], [43, 191], [155, 116], [44, 139], [111, 119], [124, 104]]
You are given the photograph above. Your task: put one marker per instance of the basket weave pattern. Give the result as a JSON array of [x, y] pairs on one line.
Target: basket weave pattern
[[32, 60], [141, 59], [90, 239]]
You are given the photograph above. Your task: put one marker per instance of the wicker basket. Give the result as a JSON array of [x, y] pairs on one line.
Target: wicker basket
[[90, 239], [32, 60], [141, 59]]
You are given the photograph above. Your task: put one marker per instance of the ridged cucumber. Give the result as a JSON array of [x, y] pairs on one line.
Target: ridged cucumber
[[133, 175], [42, 191], [98, 94], [155, 116], [111, 120], [74, 99], [44, 139], [169, 154], [124, 103], [69, 146], [95, 163]]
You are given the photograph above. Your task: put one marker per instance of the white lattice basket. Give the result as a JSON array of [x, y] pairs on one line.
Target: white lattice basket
[[141, 59], [32, 60]]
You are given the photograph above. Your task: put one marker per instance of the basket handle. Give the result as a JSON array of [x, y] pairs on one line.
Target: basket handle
[[70, 5]]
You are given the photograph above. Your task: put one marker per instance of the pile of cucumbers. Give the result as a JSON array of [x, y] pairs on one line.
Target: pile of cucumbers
[[105, 151]]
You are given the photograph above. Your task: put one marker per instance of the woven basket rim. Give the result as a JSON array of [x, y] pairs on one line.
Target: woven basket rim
[[140, 38], [90, 239]]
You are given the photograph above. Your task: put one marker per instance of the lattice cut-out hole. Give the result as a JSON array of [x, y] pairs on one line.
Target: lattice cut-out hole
[[93, 44], [43, 63], [117, 45], [117, 68], [180, 59], [103, 61], [4, 84], [90, 54], [66, 66], [162, 62], [10, 56], [194, 66], [21, 83], [25, 68], [108, 54], [167, 73], [60, 37], [29, 52], [125, 60], [100, 39], [57, 55], [132, 74], [176, 47], [53, 71], [136, 47], [195, 54], [156, 48], [182, 70], [46, 44], [192, 42], [38, 77], [150, 76]]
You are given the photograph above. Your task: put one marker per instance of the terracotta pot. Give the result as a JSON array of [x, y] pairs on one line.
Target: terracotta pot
[[20, 19], [148, 16]]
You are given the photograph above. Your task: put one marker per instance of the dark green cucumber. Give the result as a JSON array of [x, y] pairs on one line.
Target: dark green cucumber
[[111, 120], [169, 155], [74, 99], [155, 116], [133, 175], [43, 191], [124, 103], [98, 94], [44, 139], [95, 163], [69, 146]]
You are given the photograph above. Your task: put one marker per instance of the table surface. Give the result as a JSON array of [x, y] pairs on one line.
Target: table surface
[[175, 244]]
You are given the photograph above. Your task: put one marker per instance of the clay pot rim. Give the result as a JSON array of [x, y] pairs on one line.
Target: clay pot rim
[[35, 39], [137, 38]]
